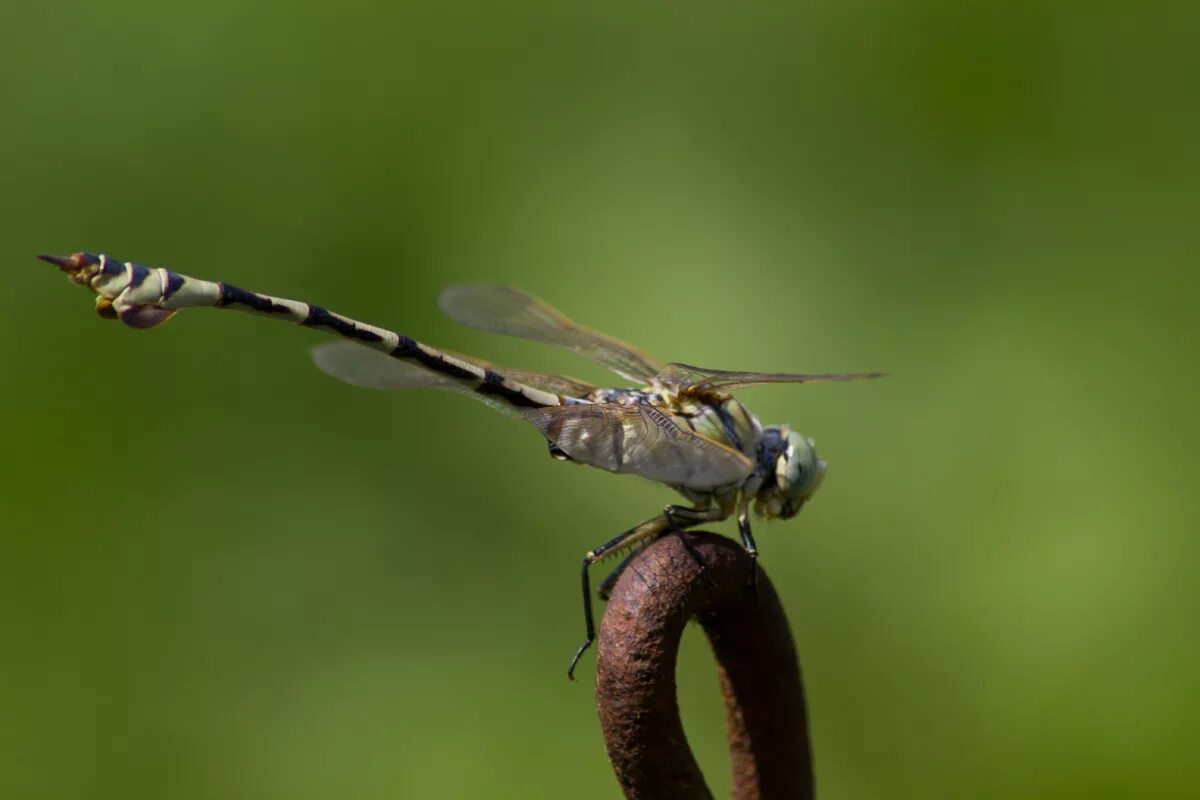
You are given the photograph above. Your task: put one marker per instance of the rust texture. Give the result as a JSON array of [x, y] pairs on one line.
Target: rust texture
[[661, 589]]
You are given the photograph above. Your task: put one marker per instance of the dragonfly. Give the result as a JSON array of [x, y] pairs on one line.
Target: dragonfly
[[679, 425]]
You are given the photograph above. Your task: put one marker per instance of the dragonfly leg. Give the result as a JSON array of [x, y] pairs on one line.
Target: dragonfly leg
[[673, 518], [674, 525], [606, 586], [748, 543], [633, 536]]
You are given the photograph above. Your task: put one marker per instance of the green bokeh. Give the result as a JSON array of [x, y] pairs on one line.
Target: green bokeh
[[223, 574]]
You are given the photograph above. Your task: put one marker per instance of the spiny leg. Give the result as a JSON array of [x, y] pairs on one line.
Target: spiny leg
[[671, 512], [679, 516], [626, 539], [604, 590]]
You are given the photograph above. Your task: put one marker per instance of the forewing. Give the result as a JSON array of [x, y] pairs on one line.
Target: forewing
[[508, 311], [699, 379], [640, 440]]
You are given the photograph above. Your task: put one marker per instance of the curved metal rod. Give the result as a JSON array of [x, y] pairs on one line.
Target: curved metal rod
[[659, 591]]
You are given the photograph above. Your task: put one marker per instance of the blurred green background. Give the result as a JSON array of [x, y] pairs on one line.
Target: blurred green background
[[223, 574]]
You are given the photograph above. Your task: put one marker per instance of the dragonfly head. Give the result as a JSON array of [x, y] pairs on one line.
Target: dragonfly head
[[791, 460]]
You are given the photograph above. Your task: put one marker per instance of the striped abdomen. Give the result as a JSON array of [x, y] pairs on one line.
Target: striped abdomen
[[143, 297]]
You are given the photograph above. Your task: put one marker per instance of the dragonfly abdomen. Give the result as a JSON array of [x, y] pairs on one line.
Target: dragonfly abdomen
[[143, 297]]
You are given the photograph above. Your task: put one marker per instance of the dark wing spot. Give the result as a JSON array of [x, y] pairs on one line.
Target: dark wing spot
[[618, 446]]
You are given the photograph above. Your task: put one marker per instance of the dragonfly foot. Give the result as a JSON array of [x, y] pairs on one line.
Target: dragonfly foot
[[575, 660], [750, 547]]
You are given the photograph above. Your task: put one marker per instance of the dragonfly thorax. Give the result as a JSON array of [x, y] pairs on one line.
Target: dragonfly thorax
[[628, 397], [791, 472]]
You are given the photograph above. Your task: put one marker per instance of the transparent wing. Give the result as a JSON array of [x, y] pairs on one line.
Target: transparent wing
[[697, 379], [372, 369], [640, 440], [500, 309], [555, 384]]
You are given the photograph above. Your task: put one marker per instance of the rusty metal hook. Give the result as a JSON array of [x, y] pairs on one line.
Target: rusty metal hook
[[767, 723]]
